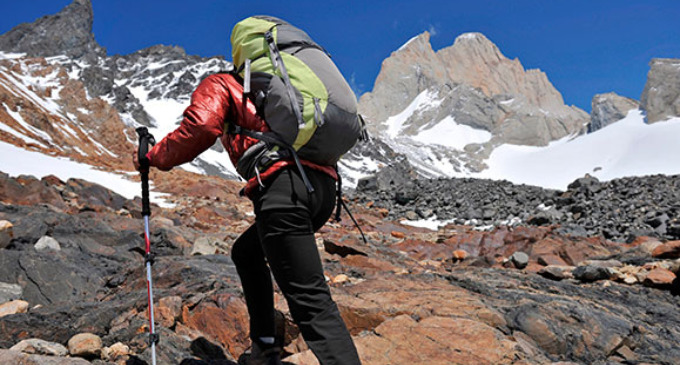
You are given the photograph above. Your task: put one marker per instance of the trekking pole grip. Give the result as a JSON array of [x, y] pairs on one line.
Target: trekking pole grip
[[145, 139]]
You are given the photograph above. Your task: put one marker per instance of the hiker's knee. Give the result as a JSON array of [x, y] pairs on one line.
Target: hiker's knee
[[242, 252]]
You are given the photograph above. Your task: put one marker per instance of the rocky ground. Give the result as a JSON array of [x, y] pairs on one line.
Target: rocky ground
[[72, 281], [620, 210]]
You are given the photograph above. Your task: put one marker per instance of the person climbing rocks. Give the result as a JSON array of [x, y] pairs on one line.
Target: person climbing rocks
[[291, 180]]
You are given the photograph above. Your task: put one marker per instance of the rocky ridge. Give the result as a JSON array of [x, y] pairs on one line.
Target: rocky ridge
[[57, 98], [70, 34]]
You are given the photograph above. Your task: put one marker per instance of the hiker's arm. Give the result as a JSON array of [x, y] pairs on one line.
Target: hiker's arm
[[203, 123]]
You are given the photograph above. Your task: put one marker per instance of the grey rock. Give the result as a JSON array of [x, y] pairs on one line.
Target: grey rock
[[70, 34], [424, 213], [609, 108], [661, 96], [16, 357], [602, 263], [572, 230], [208, 246], [47, 243], [592, 273], [40, 347], [203, 246], [588, 182], [405, 196], [128, 103], [545, 217], [674, 230], [519, 259], [99, 81], [556, 272], [411, 215], [9, 292]]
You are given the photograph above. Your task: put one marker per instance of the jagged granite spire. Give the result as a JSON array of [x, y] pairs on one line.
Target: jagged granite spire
[[472, 82], [661, 97], [68, 32]]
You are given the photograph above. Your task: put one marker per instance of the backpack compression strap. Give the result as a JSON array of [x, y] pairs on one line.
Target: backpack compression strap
[[277, 61]]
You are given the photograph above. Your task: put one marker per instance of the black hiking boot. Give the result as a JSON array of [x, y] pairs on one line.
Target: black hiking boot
[[262, 354]]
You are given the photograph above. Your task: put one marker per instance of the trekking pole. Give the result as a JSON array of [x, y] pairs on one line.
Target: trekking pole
[[146, 139]]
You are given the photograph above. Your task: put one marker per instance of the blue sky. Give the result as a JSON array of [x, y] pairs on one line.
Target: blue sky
[[585, 47]]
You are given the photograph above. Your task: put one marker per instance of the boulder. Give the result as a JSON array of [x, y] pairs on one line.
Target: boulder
[[227, 324], [115, 352], [557, 272], [519, 259], [17, 357], [668, 250], [592, 273], [85, 345], [47, 243], [601, 263], [168, 310], [13, 307], [6, 233], [40, 347], [208, 246], [659, 278], [459, 255], [609, 108]]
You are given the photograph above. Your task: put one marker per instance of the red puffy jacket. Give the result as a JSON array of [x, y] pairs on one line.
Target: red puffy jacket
[[216, 102]]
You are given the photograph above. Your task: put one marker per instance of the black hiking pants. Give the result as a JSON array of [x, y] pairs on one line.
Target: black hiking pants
[[282, 239]]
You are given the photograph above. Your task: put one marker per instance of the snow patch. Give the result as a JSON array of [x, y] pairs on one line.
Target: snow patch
[[431, 223], [468, 36], [166, 113], [450, 134], [23, 162], [426, 99], [11, 56], [628, 147]]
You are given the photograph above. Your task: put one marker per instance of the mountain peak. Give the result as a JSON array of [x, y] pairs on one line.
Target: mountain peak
[[418, 42], [475, 44], [70, 33], [471, 36]]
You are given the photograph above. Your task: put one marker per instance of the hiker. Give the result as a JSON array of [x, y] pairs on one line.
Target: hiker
[[292, 196]]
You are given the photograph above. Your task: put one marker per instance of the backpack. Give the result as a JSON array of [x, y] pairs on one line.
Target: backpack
[[297, 89]]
